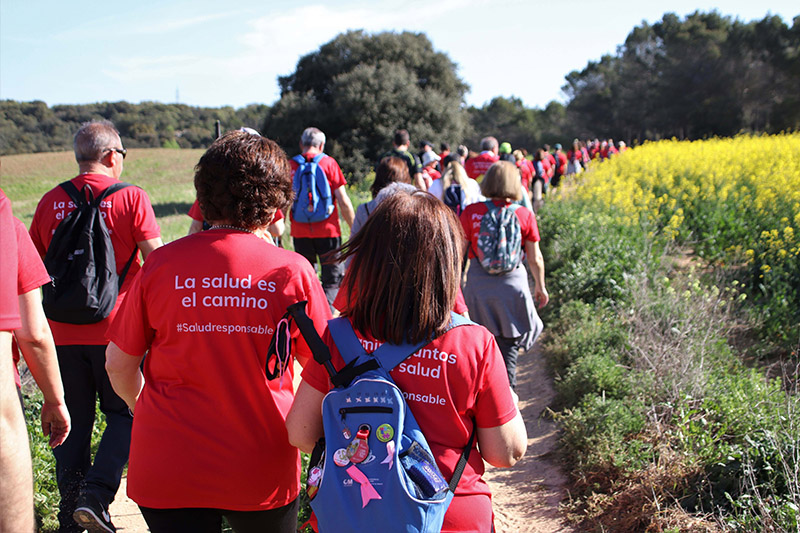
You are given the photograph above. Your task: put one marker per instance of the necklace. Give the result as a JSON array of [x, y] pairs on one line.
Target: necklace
[[226, 226]]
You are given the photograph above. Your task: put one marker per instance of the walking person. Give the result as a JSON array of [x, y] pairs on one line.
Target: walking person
[[419, 241], [209, 439], [87, 488], [503, 302], [313, 240]]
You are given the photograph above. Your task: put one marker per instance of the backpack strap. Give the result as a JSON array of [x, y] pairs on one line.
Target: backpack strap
[[462, 461], [389, 355], [112, 189], [318, 157], [103, 195], [73, 192]]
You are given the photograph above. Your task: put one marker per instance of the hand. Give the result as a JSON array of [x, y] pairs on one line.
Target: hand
[[540, 296], [56, 423]]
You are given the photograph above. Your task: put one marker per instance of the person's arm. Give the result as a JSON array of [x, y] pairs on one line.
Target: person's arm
[[503, 446], [419, 182], [16, 487], [304, 421], [149, 245], [125, 374], [277, 228], [345, 206], [195, 227], [536, 262], [35, 341]]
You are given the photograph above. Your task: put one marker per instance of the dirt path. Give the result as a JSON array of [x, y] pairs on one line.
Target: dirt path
[[525, 497], [125, 513]]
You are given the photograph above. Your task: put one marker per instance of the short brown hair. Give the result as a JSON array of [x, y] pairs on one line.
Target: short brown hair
[[502, 180], [405, 269], [401, 137], [242, 179], [389, 170]]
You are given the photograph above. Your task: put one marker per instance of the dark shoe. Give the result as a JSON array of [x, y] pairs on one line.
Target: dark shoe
[[92, 515]]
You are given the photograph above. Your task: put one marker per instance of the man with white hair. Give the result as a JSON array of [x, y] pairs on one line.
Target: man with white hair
[[87, 489], [477, 166], [313, 240]]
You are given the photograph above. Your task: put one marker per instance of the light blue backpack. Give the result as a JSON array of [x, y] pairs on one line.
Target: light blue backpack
[[374, 470]]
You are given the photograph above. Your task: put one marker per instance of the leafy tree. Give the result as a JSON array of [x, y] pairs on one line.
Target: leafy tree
[[359, 88], [695, 77]]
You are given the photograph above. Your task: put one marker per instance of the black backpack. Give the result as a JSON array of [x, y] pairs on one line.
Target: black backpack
[[80, 260], [454, 198]]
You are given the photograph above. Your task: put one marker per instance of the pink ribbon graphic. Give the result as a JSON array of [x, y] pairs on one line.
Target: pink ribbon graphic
[[389, 454], [368, 492]]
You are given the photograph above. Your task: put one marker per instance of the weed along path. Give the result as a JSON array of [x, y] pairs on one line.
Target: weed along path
[[526, 497]]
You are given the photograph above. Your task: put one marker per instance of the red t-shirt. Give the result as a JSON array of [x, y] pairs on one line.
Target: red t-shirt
[[471, 222], [130, 219], [9, 260], [477, 166], [31, 275], [525, 173], [196, 214], [329, 227], [209, 429], [433, 173], [561, 166], [458, 377]]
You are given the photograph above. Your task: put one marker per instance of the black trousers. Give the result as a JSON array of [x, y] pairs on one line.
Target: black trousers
[[509, 347], [203, 520], [85, 379], [332, 273]]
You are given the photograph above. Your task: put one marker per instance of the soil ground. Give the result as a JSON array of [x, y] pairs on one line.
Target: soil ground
[[526, 498]]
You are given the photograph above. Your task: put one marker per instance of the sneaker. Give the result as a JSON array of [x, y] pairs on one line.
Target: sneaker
[[92, 515]]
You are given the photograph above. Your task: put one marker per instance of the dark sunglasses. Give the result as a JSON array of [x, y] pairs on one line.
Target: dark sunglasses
[[122, 151]]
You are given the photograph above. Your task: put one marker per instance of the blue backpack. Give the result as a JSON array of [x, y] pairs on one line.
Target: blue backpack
[[373, 470], [313, 201]]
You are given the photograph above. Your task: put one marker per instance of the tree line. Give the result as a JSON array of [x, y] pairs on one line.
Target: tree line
[[699, 76]]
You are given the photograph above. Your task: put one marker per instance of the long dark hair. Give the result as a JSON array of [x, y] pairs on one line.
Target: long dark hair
[[405, 269]]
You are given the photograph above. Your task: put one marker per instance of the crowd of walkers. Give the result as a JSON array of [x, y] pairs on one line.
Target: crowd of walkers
[[197, 402]]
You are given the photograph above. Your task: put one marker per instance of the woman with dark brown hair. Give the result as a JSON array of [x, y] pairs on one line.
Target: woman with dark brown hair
[[503, 302], [390, 170], [208, 436], [405, 271]]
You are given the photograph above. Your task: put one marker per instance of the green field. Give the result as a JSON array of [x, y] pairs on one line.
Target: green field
[[166, 174]]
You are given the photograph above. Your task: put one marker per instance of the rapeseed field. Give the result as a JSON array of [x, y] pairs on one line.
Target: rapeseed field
[[734, 201]]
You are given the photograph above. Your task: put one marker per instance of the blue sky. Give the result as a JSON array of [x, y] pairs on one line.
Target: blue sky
[[203, 53]]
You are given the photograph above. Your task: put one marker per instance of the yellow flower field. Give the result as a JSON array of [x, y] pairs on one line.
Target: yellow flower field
[[733, 200], [688, 188]]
